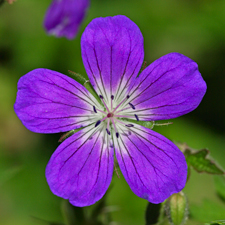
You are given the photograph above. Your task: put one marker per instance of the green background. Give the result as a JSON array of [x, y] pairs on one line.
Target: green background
[[195, 28]]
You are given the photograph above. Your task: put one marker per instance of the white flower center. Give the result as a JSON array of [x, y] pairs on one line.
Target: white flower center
[[111, 116]]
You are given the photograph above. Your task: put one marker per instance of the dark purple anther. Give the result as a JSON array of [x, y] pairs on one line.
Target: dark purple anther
[[132, 106], [97, 123], [108, 132], [136, 117], [129, 125]]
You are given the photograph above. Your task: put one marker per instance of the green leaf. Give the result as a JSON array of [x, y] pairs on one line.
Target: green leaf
[[220, 186], [200, 162]]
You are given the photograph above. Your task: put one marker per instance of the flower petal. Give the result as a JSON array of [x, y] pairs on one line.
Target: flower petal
[[63, 18], [112, 52], [81, 167], [50, 102], [169, 87], [152, 165]]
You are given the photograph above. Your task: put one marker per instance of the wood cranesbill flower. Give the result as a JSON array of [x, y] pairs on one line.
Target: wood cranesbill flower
[[63, 17], [81, 168]]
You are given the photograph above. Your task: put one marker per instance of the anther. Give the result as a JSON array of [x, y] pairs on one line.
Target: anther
[[117, 134], [132, 106], [101, 97], [112, 97], [108, 132], [136, 117], [128, 96], [129, 125], [94, 109], [97, 123]]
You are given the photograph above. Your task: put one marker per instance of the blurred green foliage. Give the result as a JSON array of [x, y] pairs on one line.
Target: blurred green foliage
[[195, 28]]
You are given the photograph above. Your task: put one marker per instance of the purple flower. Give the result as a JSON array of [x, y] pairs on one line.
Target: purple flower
[[63, 17], [81, 168]]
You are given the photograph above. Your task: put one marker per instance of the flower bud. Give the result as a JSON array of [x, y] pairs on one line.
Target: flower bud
[[177, 208]]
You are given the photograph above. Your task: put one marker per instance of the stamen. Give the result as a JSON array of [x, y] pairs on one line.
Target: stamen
[[129, 125], [128, 96], [97, 123], [101, 97], [108, 124], [104, 118], [94, 109], [114, 125], [136, 117], [101, 111], [108, 132], [122, 116], [112, 97], [123, 109], [132, 106]]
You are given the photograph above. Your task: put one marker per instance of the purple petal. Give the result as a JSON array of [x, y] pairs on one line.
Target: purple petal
[[152, 165], [50, 102], [112, 52], [63, 18], [169, 87], [81, 167]]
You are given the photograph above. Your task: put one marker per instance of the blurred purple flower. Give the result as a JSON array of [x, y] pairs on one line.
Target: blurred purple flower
[[81, 168], [63, 17]]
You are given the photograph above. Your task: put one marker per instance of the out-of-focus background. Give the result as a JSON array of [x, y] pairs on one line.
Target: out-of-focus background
[[195, 28]]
